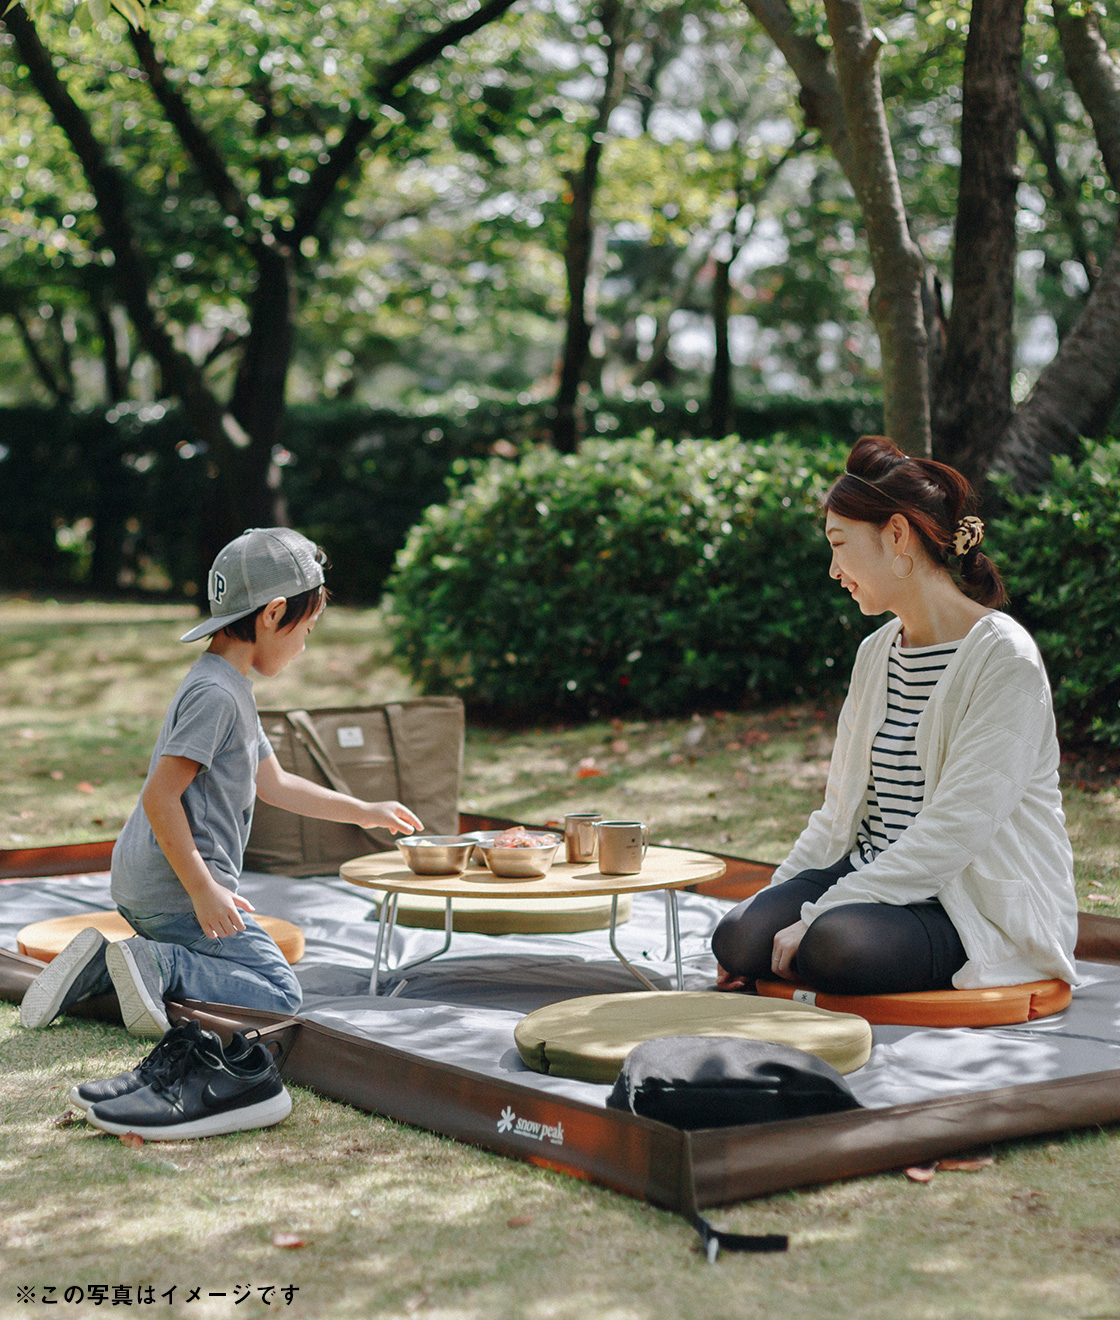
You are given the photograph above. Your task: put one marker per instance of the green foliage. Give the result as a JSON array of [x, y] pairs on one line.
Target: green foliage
[[638, 574], [1060, 554], [105, 500]]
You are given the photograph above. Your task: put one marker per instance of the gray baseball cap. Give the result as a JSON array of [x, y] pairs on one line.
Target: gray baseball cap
[[262, 564]]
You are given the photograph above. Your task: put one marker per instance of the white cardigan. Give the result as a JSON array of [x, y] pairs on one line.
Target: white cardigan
[[990, 840]]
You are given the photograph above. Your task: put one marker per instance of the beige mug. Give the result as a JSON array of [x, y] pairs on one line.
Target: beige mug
[[622, 846], [580, 843]]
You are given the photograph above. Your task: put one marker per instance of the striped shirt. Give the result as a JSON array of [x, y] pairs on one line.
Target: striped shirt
[[897, 784]]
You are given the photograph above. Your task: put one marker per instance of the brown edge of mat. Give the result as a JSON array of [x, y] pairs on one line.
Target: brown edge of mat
[[629, 1154]]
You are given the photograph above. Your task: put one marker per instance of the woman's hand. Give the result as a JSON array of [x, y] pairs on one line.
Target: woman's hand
[[786, 944]]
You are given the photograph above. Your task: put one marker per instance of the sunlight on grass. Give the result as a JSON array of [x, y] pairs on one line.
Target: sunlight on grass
[[399, 1223]]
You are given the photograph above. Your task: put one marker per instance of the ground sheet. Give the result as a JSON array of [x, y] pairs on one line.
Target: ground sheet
[[462, 1008]]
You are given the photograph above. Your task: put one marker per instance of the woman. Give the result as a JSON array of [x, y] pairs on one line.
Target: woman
[[940, 856]]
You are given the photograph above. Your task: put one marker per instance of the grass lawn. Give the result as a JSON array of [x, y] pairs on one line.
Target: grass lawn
[[395, 1222]]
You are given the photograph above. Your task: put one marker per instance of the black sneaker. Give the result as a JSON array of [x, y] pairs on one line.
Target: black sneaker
[[76, 972], [204, 1095], [161, 1062]]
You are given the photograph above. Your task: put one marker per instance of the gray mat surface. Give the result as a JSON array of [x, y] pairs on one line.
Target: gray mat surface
[[462, 1008]]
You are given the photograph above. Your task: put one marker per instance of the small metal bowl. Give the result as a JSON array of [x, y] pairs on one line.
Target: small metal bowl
[[520, 863], [480, 838], [436, 854]]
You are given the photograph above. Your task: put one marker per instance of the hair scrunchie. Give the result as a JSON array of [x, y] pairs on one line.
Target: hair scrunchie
[[969, 534]]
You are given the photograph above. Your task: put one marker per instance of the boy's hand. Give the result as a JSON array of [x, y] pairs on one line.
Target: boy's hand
[[391, 816], [217, 911]]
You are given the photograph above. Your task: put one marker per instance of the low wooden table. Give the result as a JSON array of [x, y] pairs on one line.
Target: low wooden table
[[669, 869]]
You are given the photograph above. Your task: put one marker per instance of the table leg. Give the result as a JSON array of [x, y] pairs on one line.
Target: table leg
[[671, 894], [387, 901], [448, 928], [622, 958]]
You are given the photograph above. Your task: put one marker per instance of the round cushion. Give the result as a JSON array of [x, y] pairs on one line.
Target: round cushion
[[46, 939], [589, 1038], [528, 916], [993, 1007]]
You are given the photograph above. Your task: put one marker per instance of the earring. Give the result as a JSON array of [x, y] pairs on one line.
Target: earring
[[894, 566]]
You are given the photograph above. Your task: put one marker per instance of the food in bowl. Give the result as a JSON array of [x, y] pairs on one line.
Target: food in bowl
[[519, 836], [436, 854], [521, 854]]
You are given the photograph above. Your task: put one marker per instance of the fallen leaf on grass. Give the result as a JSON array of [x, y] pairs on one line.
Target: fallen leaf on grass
[[1100, 898], [620, 746], [57, 775], [289, 1241], [131, 1139], [84, 786], [1030, 1203], [69, 1118], [965, 1166], [519, 1221], [588, 772], [921, 1173]]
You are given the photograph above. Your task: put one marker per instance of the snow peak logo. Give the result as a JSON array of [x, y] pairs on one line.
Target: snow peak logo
[[524, 1127]]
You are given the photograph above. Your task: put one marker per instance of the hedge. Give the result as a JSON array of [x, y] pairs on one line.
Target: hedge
[[1059, 551], [639, 574], [99, 500]]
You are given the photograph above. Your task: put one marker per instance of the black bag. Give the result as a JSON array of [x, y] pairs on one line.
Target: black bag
[[723, 1081]]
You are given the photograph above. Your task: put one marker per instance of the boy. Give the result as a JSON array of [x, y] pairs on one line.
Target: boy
[[177, 861]]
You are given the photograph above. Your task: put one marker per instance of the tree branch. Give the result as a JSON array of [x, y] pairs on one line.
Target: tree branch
[[43, 369], [896, 301], [1045, 143], [110, 191], [1095, 77], [820, 93], [340, 160], [196, 143], [1076, 393]]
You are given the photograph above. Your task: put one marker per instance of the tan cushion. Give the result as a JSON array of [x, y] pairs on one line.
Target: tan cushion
[[528, 916], [46, 939], [589, 1038]]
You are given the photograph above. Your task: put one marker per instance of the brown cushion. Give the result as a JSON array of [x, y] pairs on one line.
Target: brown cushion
[[991, 1007], [46, 939]]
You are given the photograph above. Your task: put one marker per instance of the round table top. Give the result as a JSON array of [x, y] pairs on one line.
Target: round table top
[[663, 868]]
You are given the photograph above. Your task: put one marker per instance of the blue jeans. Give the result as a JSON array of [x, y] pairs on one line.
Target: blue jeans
[[246, 969]]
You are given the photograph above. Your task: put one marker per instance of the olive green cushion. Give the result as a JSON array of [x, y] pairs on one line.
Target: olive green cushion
[[527, 916], [589, 1038]]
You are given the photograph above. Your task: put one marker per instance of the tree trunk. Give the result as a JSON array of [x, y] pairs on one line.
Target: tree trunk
[[1075, 395], [719, 401], [567, 419], [896, 301], [1079, 390], [972, 399]]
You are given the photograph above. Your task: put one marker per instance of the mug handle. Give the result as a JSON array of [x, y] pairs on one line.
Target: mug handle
[[645, 841]]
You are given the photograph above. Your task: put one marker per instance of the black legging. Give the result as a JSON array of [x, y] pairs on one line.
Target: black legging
[[856, 949]]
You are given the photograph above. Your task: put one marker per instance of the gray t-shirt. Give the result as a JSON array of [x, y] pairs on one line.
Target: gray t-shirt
[[212, 720]]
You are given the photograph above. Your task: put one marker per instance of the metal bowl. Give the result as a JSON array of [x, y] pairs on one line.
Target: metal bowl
[[436, 854], [520, 863], [479, 838]]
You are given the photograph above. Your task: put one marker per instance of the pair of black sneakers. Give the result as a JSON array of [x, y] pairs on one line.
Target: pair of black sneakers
[[189, 1086]]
